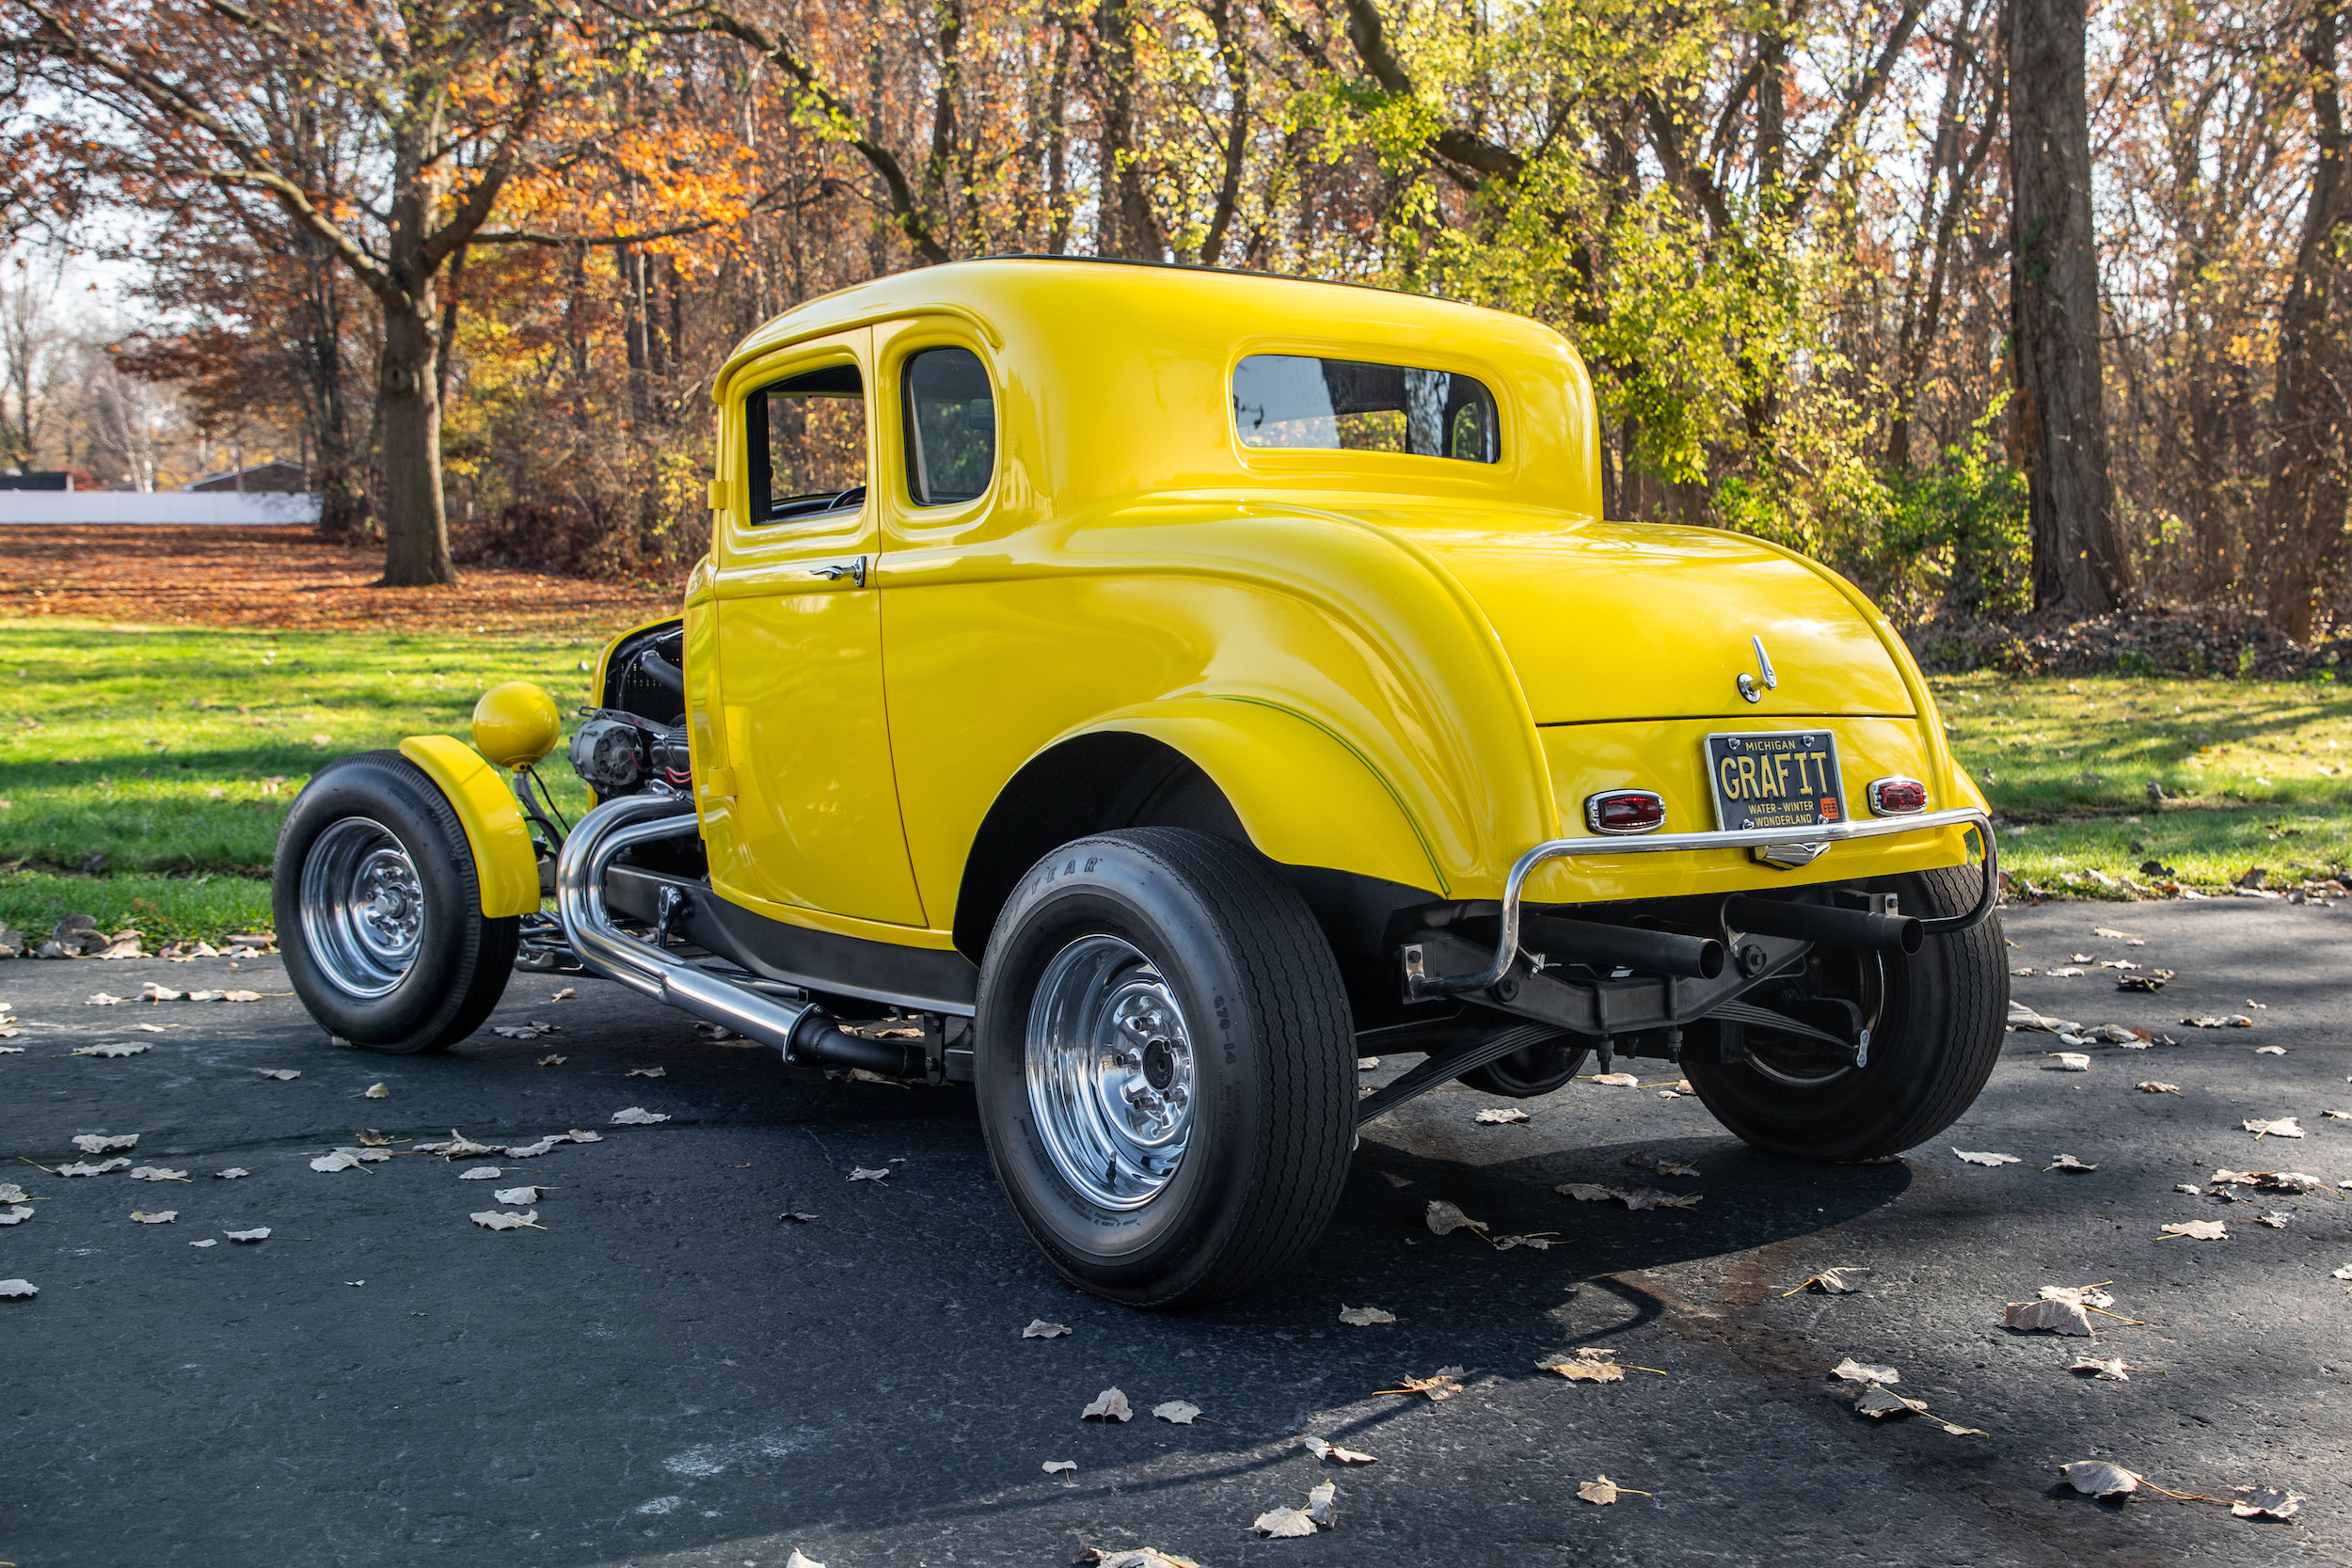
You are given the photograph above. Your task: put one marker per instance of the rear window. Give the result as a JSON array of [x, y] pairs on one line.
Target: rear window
[[1297, 401]]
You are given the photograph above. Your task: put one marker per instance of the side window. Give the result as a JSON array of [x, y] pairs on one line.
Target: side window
[[952, 427], [1288, 400], [805, 441]]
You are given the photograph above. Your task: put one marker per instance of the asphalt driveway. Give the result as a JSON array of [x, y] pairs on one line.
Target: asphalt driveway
[[666, 1372]]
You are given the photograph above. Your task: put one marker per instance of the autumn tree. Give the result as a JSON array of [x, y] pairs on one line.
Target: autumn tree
[[2080, 563], [444, 101]]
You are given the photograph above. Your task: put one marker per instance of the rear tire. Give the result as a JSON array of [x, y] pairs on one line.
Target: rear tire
[[1941, 1021], [1166, 1065], [378, 909]]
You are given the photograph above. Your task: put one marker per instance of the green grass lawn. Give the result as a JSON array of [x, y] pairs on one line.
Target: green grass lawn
[[2261, 774], [174, 754]]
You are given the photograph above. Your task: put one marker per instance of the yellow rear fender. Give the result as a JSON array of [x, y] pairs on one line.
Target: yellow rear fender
[[1304, 792], [504, 862]]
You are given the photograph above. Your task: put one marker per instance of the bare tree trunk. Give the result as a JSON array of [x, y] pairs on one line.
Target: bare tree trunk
[[2305, 538], [2080, 563], [416, 535]]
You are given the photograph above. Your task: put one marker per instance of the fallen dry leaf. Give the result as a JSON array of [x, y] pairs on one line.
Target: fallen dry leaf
[[565, 994], [259, 1234], [16, 1213], [798, 1561], [153, 993], [2270, 1050], [2285, 1127], [490, 1219], [1617, 1079], [2104, 1369], [1834, 1282], [206, 1241], [798, 1216], [531, 1150], [1857, 1371], [1334, 1453], [100, 999], [531, 1031], [859, 1173], [1443, 1218], [18, 1289], [1502, 1118], [2265, 1502], [377, 1091], [83, 1168], [2069, 1061], [283, 1074], [2065, 972], [1109, 1405], [2199, 1230], [2097, 1478], [1284, 1522], [1367, 1064], [579, 1137], [11, 1192], [1040, 1329], [162, 1216], [525, 1196], [637, 1115], [107, 1050], [1878, 1401], [480, 1173], [2067, 1162], [2149, 1085], [2054, 1317], [1322, 1503], [2228, 1021], [232, 1173], [2278, 1219], [1587, 1367], [1439, 1385], [646, 1073], [1363, 1317], [1058, 1466], [1141, 1556], [157, 1173], [1586, 1192], [1982, 1158], [553, 1061], [1177, 1412], [335, 1162], [1504, 1244], [239, 995], [1603, 1491]]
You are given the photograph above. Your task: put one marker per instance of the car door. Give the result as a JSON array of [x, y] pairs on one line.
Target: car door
[[814, 821]]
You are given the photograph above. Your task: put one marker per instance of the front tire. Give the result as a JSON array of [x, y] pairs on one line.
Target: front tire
[[1942, 1013], [1166, 1065], [378, 909]]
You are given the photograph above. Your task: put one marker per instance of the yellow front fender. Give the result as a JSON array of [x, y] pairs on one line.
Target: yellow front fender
[[503, 857]]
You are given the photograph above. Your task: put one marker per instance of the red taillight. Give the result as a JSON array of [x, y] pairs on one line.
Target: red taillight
[[1625, 811], [1898, 797]]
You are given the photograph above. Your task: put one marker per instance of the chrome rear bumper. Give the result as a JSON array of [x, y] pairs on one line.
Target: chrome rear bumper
[[1514, 887]]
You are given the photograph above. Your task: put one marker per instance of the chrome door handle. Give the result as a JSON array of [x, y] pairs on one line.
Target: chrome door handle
[[834, 570]]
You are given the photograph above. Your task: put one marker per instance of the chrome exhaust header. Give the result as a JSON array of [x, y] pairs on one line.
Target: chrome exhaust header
[[802, 1031]]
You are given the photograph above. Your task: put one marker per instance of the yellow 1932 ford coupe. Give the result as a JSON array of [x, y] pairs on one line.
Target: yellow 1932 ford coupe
[[1148, 688]]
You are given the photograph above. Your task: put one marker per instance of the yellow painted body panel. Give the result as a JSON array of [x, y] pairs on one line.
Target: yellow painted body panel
[[503, 859], [1405, 667], [1669, 757]]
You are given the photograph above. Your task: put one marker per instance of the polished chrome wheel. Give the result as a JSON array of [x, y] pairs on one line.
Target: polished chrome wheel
[[363, 907], [1111, 1072]]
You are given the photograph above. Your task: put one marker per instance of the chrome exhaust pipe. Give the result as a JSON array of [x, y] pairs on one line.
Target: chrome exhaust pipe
[[802, 1031]]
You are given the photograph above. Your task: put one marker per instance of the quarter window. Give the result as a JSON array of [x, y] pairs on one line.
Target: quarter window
[[806, 444], [1289, 400], [952, 427]]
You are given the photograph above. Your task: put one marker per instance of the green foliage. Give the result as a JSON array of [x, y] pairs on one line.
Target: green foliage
[[1952, 537]]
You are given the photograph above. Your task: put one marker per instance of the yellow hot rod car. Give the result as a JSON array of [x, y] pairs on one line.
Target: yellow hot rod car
[[1149, 688]]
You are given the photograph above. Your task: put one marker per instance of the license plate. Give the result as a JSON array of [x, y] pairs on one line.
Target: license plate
[[1783, 778]]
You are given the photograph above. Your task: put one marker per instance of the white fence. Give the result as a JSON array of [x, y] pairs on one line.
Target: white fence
[[170, 506]]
